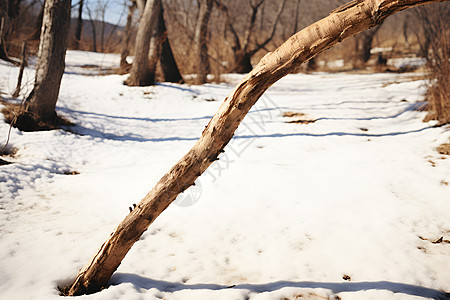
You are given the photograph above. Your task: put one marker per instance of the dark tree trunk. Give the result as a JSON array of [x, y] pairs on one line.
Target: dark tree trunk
[[40, 104], [3, 53], [167, 60], [363, 46], [242, 62], [200, 41], [23, 64], [142, 73], [79, 27]]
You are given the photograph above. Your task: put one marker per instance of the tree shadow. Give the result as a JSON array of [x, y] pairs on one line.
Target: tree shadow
[[140, 282], [338, 133]]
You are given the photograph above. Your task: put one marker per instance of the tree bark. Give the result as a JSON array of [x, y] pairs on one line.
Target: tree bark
[[322, 35], [142, 74], [23, 64], [200, 44], [79, 27], [3, 54], [40, 104], [167, 60]]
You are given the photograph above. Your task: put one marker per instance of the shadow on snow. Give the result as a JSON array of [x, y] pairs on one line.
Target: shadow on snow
[[140, 282]]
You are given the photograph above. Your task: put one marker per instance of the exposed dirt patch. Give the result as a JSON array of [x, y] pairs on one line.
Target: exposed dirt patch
[[15, 115], [71, 173], [297, 118], [440, 240], [444, 149]]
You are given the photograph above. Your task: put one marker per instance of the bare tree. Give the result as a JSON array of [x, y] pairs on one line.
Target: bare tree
[[79, 26], [142, 73], [338, 26], [124, 65], [241, 46], [3, 54], [167, 60], [363, 46], [200, 47], [93, 27], [435, 44], [40, 104]]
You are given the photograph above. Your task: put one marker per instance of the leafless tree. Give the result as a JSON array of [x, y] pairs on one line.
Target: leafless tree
[[339, 25], [142, 73], [40, 104], [166, 58], [241, 44], [200, 47], [363, 46], [79, 25], [126, 37], [93, 28], [435, 45]]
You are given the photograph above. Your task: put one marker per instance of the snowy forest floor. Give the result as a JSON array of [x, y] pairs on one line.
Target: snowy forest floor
[[332, 188]]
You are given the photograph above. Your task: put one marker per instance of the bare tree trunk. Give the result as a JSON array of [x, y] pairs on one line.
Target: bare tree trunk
[[167, 60], [142, 73], [200, 44], [3, 54], [322, 35], [243, 55], [126, 37], [40, 104], [363, 46], [36, 34], [23, 64], [94, 33], [102, 30], [79, 27], [297, 11]]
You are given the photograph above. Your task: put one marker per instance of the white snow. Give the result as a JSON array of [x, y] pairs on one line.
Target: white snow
[[287, 211]]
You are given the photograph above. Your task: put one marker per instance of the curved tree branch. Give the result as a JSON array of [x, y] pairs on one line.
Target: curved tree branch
[[302, 46]]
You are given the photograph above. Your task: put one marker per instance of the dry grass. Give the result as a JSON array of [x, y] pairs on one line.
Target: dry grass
[[297, 118], [444, 149]]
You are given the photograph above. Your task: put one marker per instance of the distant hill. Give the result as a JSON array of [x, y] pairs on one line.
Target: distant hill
[[112, 35]]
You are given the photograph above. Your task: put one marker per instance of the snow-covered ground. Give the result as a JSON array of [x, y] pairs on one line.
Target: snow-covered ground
[[346, 207]]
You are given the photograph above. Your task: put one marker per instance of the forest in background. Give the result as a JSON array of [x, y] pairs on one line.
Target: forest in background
[[239, 33]]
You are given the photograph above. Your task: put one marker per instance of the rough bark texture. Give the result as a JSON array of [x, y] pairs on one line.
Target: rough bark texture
[[219, 131], [167, 60], [40, 104], [200, 45], [141, 74]]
